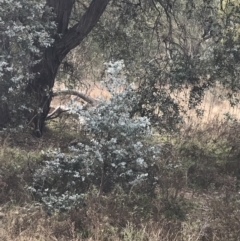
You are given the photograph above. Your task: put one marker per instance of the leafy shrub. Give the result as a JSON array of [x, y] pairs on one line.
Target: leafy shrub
[[24, 33], [114, 152]]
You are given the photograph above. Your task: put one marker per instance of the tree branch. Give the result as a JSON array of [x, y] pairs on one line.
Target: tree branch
[[76, 93], [62, 9], [74, 36], [56, 113]]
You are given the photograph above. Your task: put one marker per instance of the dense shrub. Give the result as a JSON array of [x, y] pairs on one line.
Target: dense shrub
[[113, 153]]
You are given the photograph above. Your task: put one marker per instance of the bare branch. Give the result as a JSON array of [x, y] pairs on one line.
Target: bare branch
[[88, 99], [74, 36]]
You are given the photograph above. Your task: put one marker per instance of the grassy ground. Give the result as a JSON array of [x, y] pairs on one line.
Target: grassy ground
[[197, 200]]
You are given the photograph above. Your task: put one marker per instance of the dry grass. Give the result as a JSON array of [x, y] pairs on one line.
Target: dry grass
[[215, 105], [99, 220], [30, 222]]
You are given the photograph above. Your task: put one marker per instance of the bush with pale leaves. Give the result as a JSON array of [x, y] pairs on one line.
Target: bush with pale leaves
[[114, 153]]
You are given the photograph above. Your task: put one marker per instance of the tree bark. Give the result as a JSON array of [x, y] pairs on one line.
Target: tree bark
[[40, 88]]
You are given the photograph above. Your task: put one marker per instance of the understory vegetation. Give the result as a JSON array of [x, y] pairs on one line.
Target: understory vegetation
[[194, 196]]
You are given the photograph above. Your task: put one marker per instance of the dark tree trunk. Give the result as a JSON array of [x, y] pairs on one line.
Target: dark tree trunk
[[4, 114], [40, 88]]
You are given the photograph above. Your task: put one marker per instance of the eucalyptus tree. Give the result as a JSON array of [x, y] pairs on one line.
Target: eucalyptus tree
[[39, 34], [165, 44]]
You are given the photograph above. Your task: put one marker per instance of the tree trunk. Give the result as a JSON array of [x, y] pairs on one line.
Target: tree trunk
[[40, 88]]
